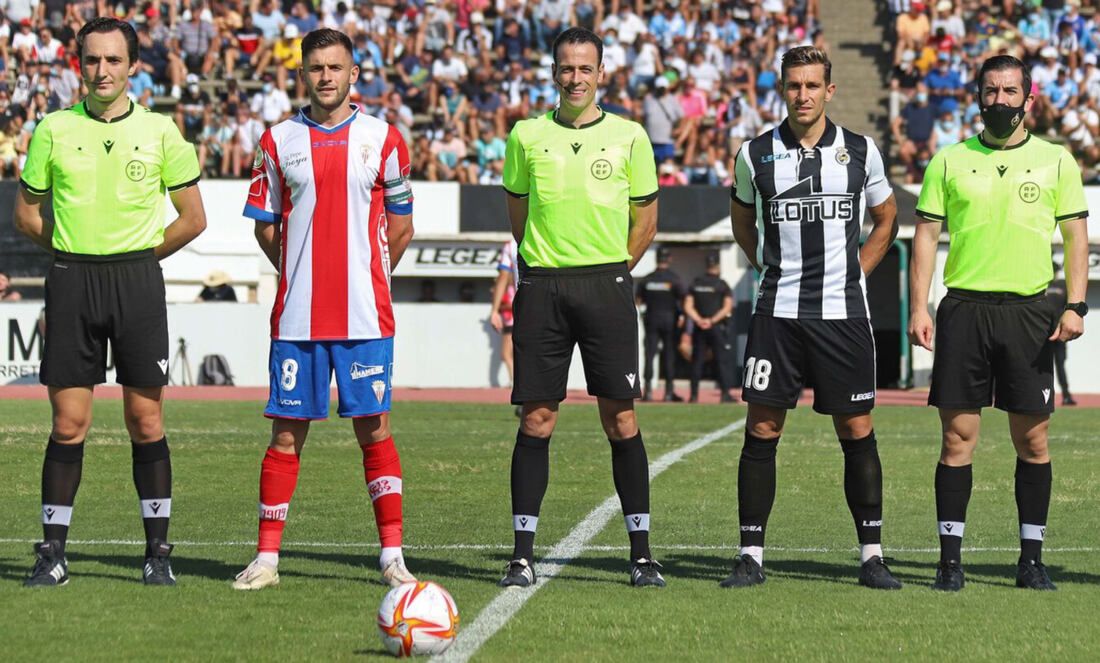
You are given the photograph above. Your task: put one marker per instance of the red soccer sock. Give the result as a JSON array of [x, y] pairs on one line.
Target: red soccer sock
[[278, 478], [382, 468]]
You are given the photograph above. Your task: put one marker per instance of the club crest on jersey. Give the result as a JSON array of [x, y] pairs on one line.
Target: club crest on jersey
[[802, 203], [379, 388], [258, 159], [842, 156], [366, 153], [768, 158]]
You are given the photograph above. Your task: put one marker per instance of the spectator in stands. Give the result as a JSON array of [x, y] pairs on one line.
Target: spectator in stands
[[663, 116], [49, 48], [669, 174], [249, 131], [231, 98], [912, 132], [198, 40], [1058, 96], [287, 54], [7, 294], [243, 46], [9, 156], [1067, 45], [475, 42], [24, 43], [513, 44], [193, 111], [63, 83], [625, 22], [271, 103], [216, 288], [1034, 31], [216, 146], [1081, 127], [449, 154], [141, 88], [487, 105], [647, 62], [160, 63], [302, 18], [437, 30], [370, 89], [946, 131], [550, 17], [490, 148], [945, 85], [269, 21], [912, 29], [454, 107]]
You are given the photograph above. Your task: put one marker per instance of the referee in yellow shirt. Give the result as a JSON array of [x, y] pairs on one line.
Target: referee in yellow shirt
[[1001, 194], [107, 163]]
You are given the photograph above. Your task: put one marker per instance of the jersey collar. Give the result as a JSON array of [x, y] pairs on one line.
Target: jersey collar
[[998, 148], [304, 114], [116, 120], [790, 141], [554, 117]]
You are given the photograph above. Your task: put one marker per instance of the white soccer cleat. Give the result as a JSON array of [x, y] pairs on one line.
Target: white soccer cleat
[[396, 574], [257, 575]]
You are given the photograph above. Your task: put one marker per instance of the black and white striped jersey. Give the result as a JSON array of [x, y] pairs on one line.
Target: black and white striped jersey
[[810, 205]]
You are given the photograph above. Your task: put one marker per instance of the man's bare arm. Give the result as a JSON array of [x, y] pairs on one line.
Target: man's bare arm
[[29, 220], [188, 225], [643, 228], [517, 216], [267, 236], [884, 230], [743, 219], [399, 235]]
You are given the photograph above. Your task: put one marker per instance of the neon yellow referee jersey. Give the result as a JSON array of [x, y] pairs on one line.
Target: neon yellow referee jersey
[[108, 178], [1000, 207], [581, 182]]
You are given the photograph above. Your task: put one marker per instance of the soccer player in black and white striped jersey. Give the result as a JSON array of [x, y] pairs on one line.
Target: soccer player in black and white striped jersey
[[807, 182]]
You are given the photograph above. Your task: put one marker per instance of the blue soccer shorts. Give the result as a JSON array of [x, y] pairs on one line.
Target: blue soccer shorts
[[301, 375]]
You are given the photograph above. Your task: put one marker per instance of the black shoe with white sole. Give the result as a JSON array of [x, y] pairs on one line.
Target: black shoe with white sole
[[50, 568], [157, 570], [746, 573], [519, 573], [646, 573]]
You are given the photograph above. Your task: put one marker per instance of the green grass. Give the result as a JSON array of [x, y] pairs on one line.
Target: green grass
[[456, 460]]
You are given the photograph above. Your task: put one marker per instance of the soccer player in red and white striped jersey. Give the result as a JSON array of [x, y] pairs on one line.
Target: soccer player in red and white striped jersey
[[333, 210]]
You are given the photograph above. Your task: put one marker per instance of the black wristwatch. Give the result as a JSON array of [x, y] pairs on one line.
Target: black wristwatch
[[1080, 308]]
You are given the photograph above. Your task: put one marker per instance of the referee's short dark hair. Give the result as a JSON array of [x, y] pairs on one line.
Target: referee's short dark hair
[[804, 56], [323, 38], [104, 24], [1001, 63], [579, 36]]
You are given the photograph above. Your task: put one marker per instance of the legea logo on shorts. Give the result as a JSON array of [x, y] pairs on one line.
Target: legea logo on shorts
[[865, 396], [359, 371]]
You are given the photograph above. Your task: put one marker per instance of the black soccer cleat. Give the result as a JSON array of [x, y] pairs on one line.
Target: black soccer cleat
[[673, 397], [746, 573], [1031, 574], [646, 573], [949, 577], [50, 568], [727, 397], [875, 574], [157, 570], [519, 573], [1067, 401]]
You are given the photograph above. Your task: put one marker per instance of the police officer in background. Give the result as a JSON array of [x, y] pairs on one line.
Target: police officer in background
[[661, 292], [709, 305]]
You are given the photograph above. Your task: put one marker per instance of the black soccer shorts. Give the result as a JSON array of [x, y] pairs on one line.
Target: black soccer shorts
[[992, 349], [834, 357], [590, 307], [93, 300]]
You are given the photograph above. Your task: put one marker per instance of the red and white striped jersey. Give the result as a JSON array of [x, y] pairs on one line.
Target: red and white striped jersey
[[329, 190]]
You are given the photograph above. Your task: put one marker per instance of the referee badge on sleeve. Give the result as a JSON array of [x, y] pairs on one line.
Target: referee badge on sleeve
[[842, 156]]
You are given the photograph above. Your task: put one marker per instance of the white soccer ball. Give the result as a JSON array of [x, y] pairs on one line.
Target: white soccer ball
[[417, 618]]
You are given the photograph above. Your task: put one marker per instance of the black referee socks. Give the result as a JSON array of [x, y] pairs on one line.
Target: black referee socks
[[61, 472], [755, 488], [863, 487], [530, 474], [1033, 482], [953, 486], [153, 480], [630, 469]]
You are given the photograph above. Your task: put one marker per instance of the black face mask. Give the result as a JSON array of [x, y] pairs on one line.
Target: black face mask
[[1001, 119]]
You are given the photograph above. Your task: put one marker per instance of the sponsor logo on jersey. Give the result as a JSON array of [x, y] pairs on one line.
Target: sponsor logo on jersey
[[768, 158], [359, 371], [803, 204], [289, 402], [865, 396]]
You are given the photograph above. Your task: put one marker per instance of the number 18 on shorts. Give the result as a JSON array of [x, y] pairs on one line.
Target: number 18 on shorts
[[301, 375]]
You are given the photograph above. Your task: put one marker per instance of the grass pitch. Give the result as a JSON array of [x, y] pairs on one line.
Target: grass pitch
[[456, 459]]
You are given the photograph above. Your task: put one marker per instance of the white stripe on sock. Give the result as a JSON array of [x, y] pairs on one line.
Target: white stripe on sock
[[1033, 532], [56, 514], [952, 528], [755, 552], [637, 522], [158, 508], [522, 523], [274, 511]]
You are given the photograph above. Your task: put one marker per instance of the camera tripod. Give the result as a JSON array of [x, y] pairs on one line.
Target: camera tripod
[[180, 359]]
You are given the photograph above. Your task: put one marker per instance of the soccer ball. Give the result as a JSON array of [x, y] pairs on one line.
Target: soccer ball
[[417, 618]]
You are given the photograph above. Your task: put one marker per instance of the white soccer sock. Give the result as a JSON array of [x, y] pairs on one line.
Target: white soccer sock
[[755, 552], [869, 550], [389, 554], [269, 558]]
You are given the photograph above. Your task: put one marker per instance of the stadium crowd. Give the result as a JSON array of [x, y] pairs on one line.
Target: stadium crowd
[[940, 46], [452, 75]]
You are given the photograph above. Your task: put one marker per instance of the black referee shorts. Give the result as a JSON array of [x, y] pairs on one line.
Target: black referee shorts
[[91, 300], [992, 349], [591, 307], [835, 357]]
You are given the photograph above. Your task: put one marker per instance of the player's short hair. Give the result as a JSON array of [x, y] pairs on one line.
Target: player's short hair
[[804, 56], [323, 38], [105, 24], [1002, 63], [579, 36]]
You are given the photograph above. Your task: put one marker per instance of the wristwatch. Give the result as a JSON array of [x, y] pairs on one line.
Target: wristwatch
[[1080, 308]]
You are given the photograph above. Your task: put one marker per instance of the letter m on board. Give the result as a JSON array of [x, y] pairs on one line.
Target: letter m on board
[[15, 337]]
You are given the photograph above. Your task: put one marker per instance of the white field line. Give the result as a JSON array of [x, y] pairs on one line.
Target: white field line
[[508, 602], [687, 547]]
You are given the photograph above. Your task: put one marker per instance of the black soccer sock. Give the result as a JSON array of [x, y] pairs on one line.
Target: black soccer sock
[[61, 471], [755, 488], [953, 485], [863, 487], [153, 480], [1032, 503], [530, 474], [630, 469]]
